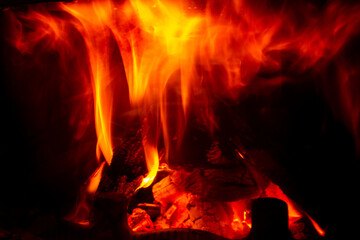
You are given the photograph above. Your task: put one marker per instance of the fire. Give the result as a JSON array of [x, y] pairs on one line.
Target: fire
[[294, 214], [177, 58], [94, 179], [152, 161], [81, 213], [316, 226], [96, 37], [166, 45]]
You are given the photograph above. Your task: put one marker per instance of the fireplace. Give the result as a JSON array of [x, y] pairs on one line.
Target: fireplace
[[179, 119]]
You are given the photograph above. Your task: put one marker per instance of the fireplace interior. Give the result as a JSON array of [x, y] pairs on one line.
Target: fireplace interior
[[190, 119]]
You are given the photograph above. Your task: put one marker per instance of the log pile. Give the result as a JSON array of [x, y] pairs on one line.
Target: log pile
[[193, 198], [181, 208], [213, 196]]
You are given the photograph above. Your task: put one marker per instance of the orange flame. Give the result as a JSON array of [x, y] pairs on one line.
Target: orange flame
[[81, 214], [274, 190], [92, 25], [152, 161], [94, 179], [198, 52]]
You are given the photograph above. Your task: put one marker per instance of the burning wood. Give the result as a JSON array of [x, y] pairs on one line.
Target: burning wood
[[183, 207], [139, 220], [168, 189]]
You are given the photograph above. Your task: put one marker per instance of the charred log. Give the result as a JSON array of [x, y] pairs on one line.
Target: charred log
[[128, 161]]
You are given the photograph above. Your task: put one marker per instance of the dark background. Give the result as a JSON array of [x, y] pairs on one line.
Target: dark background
[[48, 139]]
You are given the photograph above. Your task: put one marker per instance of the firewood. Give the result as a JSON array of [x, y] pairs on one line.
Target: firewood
[[166, 191], [152, 209], [216, 184], [170, 211], [212, 216], [182, 212], [127, 188], [139, 220], [128, 161], [129, 158]]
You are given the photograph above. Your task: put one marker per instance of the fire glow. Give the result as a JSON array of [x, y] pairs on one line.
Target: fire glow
[[178, 57]]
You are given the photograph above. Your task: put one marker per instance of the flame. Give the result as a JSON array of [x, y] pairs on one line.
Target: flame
[[274, 190], [166, 32], [94, 180], [81, 214], [96, 37], [152, 161], [317, 227], [180, 56]]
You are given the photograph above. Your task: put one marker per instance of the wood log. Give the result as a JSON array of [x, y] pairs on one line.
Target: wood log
[[168, 189], [223, 184], [139, 220], [128, 161]]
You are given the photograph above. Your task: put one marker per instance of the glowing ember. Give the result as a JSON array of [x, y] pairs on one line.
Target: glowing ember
[[182, 209]]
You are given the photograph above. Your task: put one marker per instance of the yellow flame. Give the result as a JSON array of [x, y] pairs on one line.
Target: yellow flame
[[94, 19], [152, 162], [94, 179]]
